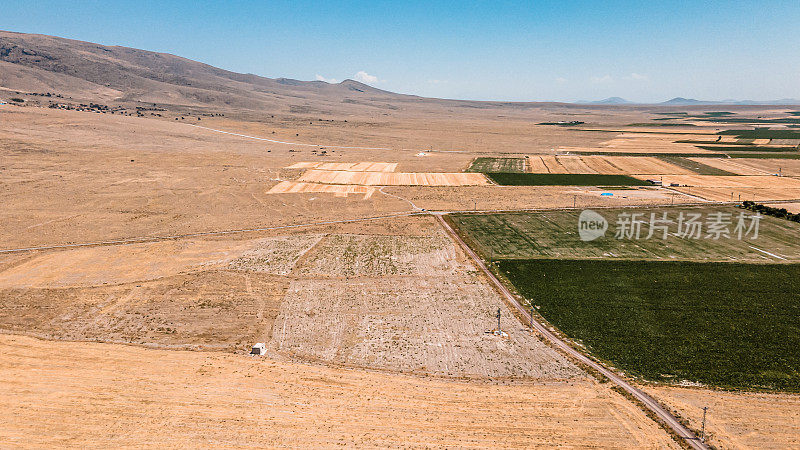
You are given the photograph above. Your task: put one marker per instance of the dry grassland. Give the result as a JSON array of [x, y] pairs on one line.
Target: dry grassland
[[90, 395], [393, 179], [731, 165], [737, 419], [211, 310]]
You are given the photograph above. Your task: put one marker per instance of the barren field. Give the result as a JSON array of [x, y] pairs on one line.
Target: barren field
[[338, 190], [196, 399], [408, 304], [393, 179], [737, 419]]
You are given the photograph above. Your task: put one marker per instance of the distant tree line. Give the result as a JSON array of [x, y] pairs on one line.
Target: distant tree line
[[770, 211]]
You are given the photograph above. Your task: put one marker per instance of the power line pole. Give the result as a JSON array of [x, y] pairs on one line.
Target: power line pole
[[499, 331], [531, 317], [703, 429]]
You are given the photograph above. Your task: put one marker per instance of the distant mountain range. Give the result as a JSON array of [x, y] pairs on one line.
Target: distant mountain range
[[680, 101]]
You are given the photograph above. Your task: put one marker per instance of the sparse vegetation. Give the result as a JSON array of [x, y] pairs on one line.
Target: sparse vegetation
[[499, 165]]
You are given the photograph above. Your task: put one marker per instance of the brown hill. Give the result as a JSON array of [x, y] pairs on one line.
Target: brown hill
[[83, 70]]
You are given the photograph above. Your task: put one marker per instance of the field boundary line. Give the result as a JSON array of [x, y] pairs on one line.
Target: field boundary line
[[668, 419]]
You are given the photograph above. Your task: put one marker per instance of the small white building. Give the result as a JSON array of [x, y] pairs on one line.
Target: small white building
[[259, 349]]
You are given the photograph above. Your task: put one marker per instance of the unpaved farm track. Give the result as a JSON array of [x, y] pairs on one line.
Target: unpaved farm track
[[645, 399]]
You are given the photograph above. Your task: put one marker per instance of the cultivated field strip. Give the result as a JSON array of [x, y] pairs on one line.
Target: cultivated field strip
[[603, 165], [740, 182], [363, 166], [392, 179]]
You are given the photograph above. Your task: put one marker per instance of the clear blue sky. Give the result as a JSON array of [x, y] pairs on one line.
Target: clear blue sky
[[526, 51]]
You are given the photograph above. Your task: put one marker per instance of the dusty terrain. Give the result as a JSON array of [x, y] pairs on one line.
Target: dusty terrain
[[737, 419], [103, 394]]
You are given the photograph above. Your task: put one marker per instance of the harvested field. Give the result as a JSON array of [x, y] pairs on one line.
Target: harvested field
[[515, 197], [485, 164], [733, 166], [212, 310], [392, 179], [748, 181], [364, 166], [737, 419], [698, 167], [644, 143], [728, 194], [606, 165], [340, 190], [787, 167], [195, 399]]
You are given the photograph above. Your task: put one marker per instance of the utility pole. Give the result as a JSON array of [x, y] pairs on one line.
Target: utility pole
[[498, 322], [703, 429], [474, 205], [531, 318]]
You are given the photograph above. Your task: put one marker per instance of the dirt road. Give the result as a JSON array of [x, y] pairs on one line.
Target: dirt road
[[645, 399]]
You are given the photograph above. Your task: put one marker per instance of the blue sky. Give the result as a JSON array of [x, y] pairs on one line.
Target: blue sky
[[521, 51]]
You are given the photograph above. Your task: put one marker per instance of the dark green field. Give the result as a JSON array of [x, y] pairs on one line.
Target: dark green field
[[746, 148], [507, 165], [763, 133], [724, 324], [563, 179]]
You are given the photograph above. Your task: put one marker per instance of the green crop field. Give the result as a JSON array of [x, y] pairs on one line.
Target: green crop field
[[731, 325], [763, 133], [508, 165], [694, 166], [554, 234], [563, 179]]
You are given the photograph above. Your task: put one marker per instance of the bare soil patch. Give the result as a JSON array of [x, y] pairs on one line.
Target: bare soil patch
[[197, 399], [737, 419]]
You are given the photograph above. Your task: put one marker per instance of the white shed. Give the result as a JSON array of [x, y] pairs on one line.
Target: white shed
[[259, 349]]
